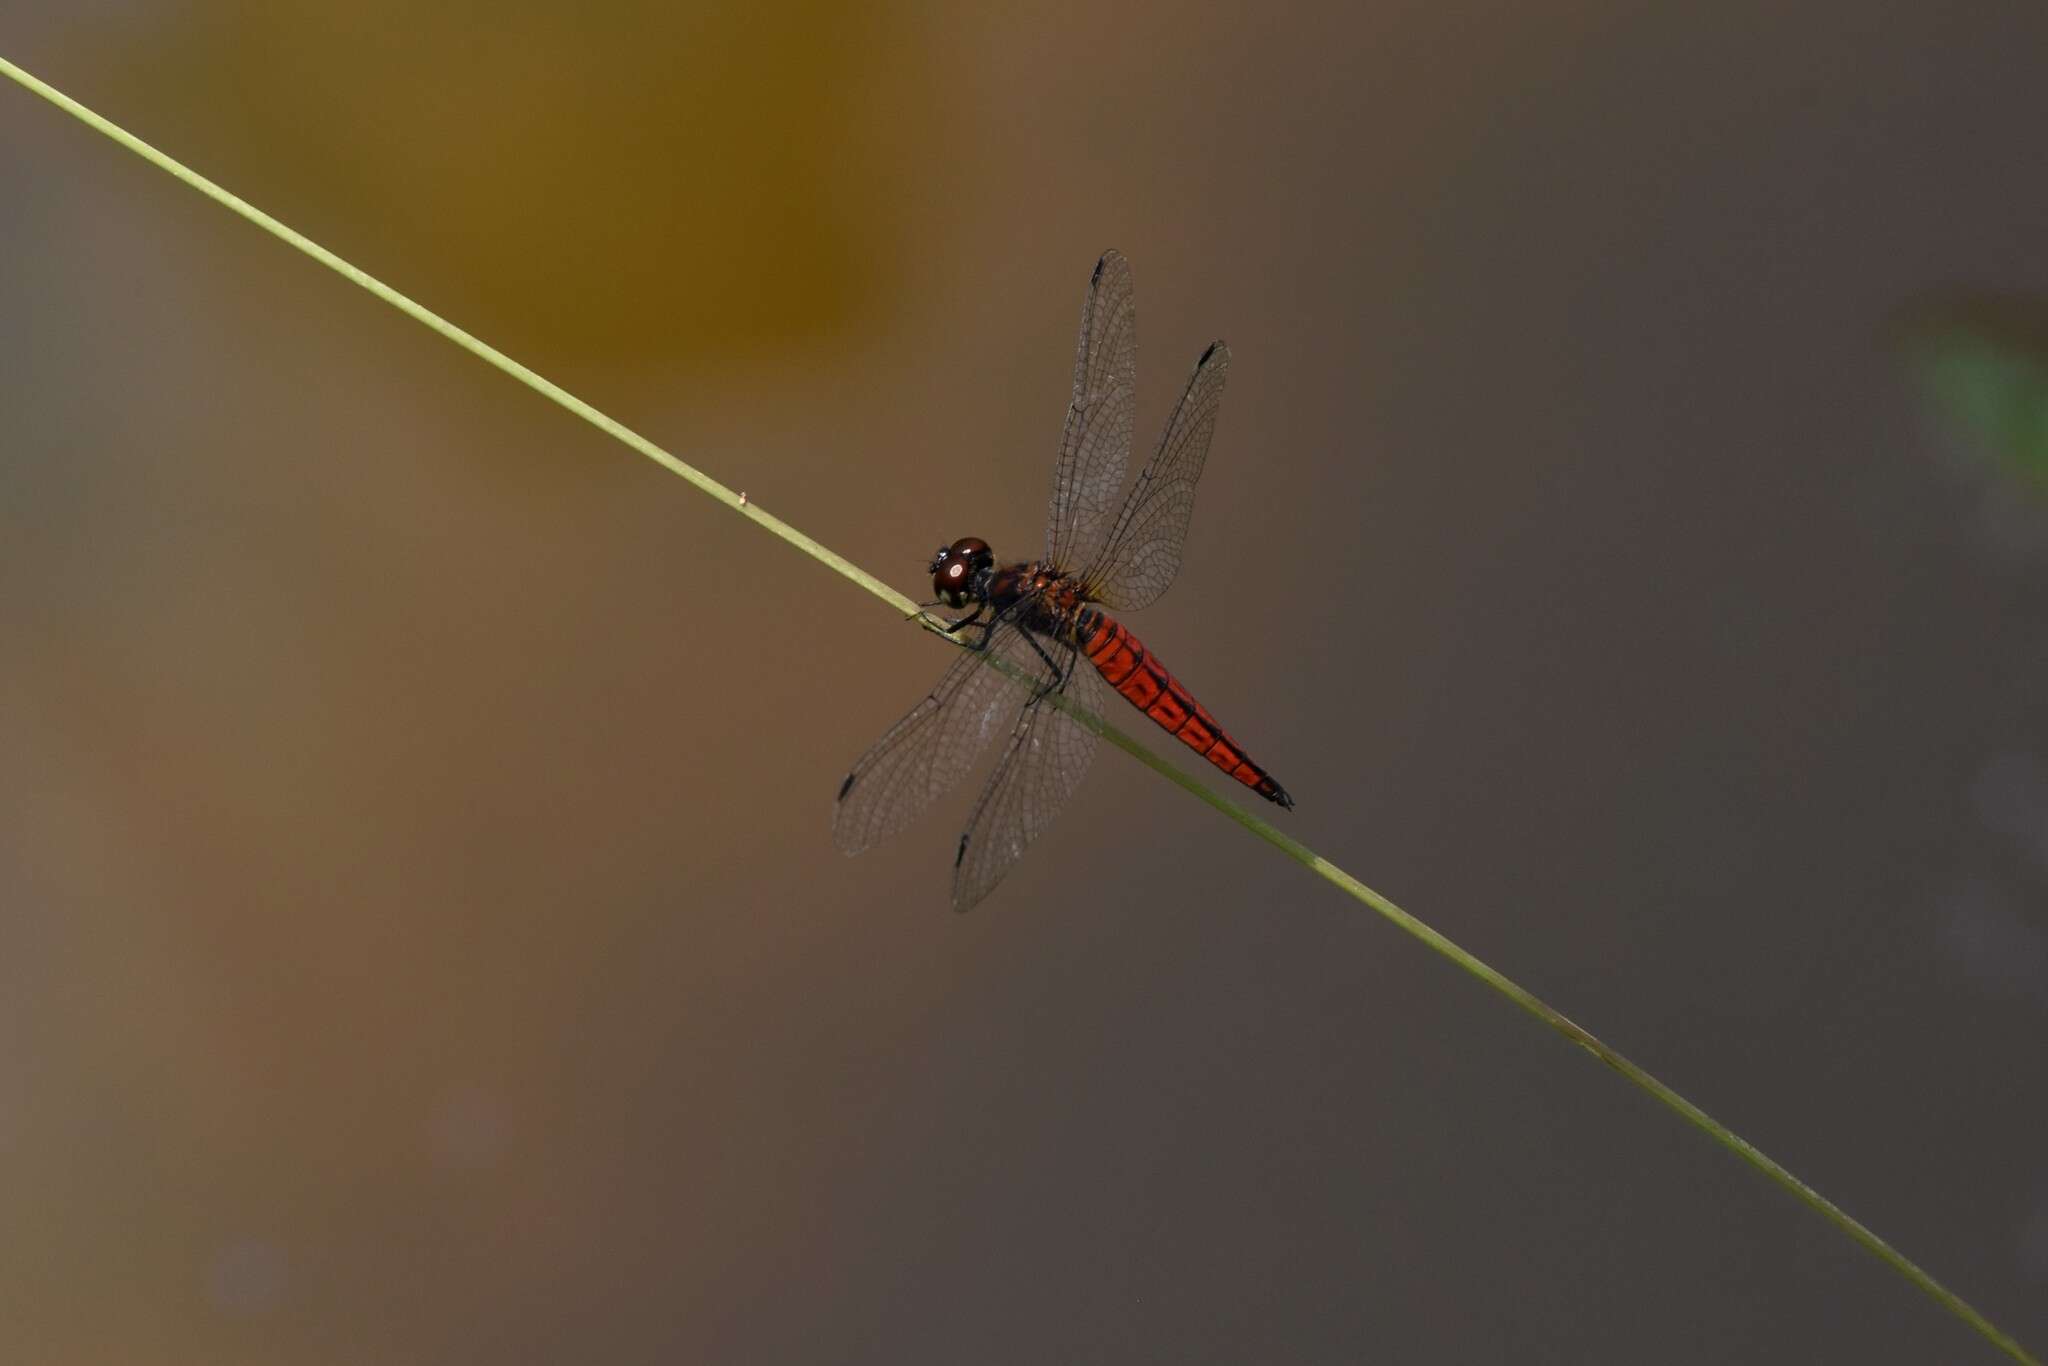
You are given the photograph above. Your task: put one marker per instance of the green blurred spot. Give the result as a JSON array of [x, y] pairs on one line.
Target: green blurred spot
[[1984, 365]]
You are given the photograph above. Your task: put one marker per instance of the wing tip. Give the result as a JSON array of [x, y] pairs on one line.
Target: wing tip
[[965, 898]]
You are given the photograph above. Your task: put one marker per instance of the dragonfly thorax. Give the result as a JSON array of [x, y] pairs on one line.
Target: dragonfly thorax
[[960, 571]]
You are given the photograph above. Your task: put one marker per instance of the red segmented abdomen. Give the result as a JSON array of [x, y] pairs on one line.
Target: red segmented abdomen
[[1136, 672]]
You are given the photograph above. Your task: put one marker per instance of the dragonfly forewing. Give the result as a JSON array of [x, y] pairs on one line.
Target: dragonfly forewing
[[1095, 447], [935, 744]]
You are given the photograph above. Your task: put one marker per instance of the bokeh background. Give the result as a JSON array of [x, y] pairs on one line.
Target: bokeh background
[[420, 935]]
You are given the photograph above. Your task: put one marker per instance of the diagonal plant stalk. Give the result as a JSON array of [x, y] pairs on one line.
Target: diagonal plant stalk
[[1295, 850]]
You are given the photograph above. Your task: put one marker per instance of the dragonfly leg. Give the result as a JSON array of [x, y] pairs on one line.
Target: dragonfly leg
[[1058, 681], [970, 619], [926, 615], [987, 628]]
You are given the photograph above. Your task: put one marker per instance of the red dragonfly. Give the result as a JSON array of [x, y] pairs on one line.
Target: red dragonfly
[[1041, 619]]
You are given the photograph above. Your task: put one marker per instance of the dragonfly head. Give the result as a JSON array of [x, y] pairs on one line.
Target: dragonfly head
[[958, 570]]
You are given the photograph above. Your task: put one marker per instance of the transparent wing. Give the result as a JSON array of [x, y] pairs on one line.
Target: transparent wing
[[1045, 760], [932, 747], [1142, 555], [1095, 449]]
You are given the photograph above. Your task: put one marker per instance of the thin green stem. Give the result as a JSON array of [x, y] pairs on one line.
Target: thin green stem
[[1322, 867]]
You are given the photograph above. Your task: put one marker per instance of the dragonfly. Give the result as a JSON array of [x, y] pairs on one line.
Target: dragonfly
[[1036, 631]]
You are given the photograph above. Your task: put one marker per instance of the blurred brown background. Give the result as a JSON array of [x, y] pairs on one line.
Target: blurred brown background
[[420, 936]]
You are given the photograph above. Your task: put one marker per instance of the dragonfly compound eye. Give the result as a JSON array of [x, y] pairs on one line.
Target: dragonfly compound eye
[[954, 569]]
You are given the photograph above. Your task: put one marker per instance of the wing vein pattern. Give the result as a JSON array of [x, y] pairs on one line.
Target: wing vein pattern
[[1095, 447], [1047, 756], [1142, 555], [922, 756]]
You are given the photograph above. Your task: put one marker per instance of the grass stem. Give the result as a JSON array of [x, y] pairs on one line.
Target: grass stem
[[1301, 854]]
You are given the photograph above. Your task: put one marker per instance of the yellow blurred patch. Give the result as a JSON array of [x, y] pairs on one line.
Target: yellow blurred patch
[[647, 182]]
